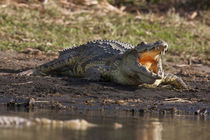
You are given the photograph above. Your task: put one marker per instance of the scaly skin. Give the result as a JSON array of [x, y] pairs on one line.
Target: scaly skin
[[114, 61]]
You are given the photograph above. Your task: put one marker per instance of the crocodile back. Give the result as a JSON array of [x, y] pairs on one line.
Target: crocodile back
[[107, 46], [100, 53]]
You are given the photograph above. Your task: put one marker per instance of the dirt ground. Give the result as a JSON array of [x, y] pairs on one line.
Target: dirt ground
[[73, 93]]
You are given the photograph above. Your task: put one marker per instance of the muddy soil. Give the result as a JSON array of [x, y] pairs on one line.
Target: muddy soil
[[72, 93]]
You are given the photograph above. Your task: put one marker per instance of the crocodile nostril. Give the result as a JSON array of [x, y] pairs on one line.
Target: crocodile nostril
[[165, 45]]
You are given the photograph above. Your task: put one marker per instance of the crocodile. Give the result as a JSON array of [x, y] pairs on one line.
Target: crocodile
[[110, 60], [17, 122]]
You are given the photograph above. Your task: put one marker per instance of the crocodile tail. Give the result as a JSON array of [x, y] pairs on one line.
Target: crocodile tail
[[55, 64]]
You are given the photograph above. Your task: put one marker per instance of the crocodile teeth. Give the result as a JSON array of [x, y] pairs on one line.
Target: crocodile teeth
[[163, 52], [156, 57]]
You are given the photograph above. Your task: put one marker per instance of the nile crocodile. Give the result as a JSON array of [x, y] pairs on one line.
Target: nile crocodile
[[109, 60]]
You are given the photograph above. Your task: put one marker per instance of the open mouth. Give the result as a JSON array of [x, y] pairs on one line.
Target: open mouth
[[150, 59]]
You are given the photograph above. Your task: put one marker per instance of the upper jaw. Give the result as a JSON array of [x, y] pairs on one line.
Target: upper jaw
[[163, 47], [158, 45], [152, 56]]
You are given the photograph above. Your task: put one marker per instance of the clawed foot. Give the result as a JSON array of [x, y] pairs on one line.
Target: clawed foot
[[179, 83], [175, 81]]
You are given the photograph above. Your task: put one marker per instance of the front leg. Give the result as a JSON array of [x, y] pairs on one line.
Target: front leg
[[174, 80], [96, 73], [30, 72]]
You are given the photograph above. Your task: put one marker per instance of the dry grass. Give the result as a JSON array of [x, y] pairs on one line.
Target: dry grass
[[52, 27]]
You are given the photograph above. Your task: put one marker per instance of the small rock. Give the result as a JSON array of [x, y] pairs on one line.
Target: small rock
[[31, 103], [201, 112], [117, 125]]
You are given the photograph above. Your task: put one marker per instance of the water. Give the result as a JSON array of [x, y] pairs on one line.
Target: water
[[135, 126]]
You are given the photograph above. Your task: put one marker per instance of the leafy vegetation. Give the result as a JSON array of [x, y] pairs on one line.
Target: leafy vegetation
[[52, 27]]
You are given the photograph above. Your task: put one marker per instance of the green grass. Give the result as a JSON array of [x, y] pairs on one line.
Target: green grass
[[51, 29]]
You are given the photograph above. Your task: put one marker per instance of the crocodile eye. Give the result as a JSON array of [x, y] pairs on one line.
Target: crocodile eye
[[142, 43]]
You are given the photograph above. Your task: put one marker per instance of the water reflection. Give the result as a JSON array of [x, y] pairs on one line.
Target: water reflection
[[153, 127], [150, 131]]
